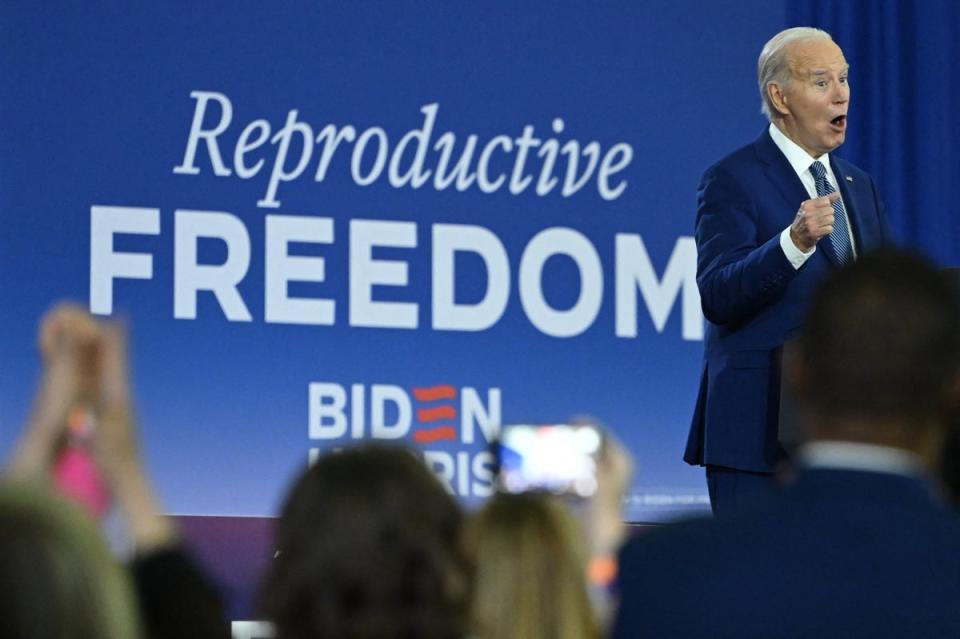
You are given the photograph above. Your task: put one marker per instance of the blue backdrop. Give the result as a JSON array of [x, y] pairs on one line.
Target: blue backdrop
[[903, 113], [525, 255]]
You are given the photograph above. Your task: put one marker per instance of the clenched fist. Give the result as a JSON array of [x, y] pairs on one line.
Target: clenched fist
[[814, 220]]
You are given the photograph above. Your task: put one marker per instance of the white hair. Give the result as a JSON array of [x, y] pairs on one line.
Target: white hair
[[773, 65]]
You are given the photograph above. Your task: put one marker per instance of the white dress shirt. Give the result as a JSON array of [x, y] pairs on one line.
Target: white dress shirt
[[800, 160], [858, 456]]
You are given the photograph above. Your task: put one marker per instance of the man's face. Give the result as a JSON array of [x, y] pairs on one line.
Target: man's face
[[818, 97]]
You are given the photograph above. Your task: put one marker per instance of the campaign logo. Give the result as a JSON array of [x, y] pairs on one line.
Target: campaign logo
[[451, 427], [436, 414]]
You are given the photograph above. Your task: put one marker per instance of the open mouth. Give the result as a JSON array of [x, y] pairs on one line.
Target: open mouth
[[840, 121]]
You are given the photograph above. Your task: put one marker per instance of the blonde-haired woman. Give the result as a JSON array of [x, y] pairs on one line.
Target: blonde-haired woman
[[58, 579], [530, 580]]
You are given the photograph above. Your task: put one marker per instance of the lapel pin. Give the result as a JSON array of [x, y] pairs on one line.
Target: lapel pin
[[849, 179]]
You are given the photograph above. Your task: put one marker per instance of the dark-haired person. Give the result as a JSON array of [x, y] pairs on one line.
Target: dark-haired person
[[369, 547], [950, 462], [774, 218], [950, 459], [860, 545]]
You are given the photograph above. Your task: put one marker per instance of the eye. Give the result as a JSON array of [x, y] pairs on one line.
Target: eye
[[821, 83], [843, 80]]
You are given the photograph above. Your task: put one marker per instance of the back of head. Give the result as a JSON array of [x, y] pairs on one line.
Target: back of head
[[369, 548], [949, 470], [57, 577], [950, 458], [530, 571], [882, 342]]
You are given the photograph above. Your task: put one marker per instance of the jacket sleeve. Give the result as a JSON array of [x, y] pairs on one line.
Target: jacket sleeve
[[738, 272]]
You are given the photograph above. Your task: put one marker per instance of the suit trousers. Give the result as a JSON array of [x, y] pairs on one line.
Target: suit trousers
[[732, 491]]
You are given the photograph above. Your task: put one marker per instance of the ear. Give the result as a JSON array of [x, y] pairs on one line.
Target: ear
[[778, 98]]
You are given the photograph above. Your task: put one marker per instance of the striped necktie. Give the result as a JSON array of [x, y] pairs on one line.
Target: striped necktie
[[840, 238]]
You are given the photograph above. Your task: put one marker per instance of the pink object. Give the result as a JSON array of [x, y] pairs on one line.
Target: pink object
[[76, 475]]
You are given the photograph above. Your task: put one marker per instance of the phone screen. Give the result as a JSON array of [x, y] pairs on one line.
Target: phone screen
[[557, 458]]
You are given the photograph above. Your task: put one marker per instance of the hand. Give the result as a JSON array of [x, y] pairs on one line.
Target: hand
[[85, 362], [604, 524], [66, 325], [614, 470], [69, 344], [605, 529], [814, 220]]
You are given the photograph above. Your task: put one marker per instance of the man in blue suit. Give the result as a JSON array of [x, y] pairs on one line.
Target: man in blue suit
[[774, 218], [860, 544]]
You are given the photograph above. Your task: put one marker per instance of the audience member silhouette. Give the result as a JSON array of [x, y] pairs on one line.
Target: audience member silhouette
[[860, 545], [531, 557], [58, 579], [369, 547]]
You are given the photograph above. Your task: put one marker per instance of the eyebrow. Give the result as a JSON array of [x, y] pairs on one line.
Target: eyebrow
[[820, 72]]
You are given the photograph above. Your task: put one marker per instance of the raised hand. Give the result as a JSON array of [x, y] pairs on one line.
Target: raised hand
[[814, 220]]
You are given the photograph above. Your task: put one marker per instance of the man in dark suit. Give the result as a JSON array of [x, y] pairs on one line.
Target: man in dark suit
[[860, 544], [773, 219]]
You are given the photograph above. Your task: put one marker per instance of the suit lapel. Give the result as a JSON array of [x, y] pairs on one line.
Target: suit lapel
[[781, 175]]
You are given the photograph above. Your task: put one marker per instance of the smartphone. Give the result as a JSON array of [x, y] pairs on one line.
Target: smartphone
[[556, 458]]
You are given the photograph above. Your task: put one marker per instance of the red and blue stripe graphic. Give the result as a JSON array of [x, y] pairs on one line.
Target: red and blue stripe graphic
[[436, 414]]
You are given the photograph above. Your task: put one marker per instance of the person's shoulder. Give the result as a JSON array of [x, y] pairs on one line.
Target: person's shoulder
[[702, 537], [745, 156], [942, 521], [658, 540], [849, 168]]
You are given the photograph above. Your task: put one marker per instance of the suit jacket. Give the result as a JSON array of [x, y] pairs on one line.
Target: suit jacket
[[841, 553], [754, 299]]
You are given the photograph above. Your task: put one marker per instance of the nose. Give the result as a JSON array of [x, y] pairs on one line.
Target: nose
[[841, 93]]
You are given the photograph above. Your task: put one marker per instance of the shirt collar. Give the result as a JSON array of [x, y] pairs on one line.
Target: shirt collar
[[859, 456], [799, 159]]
